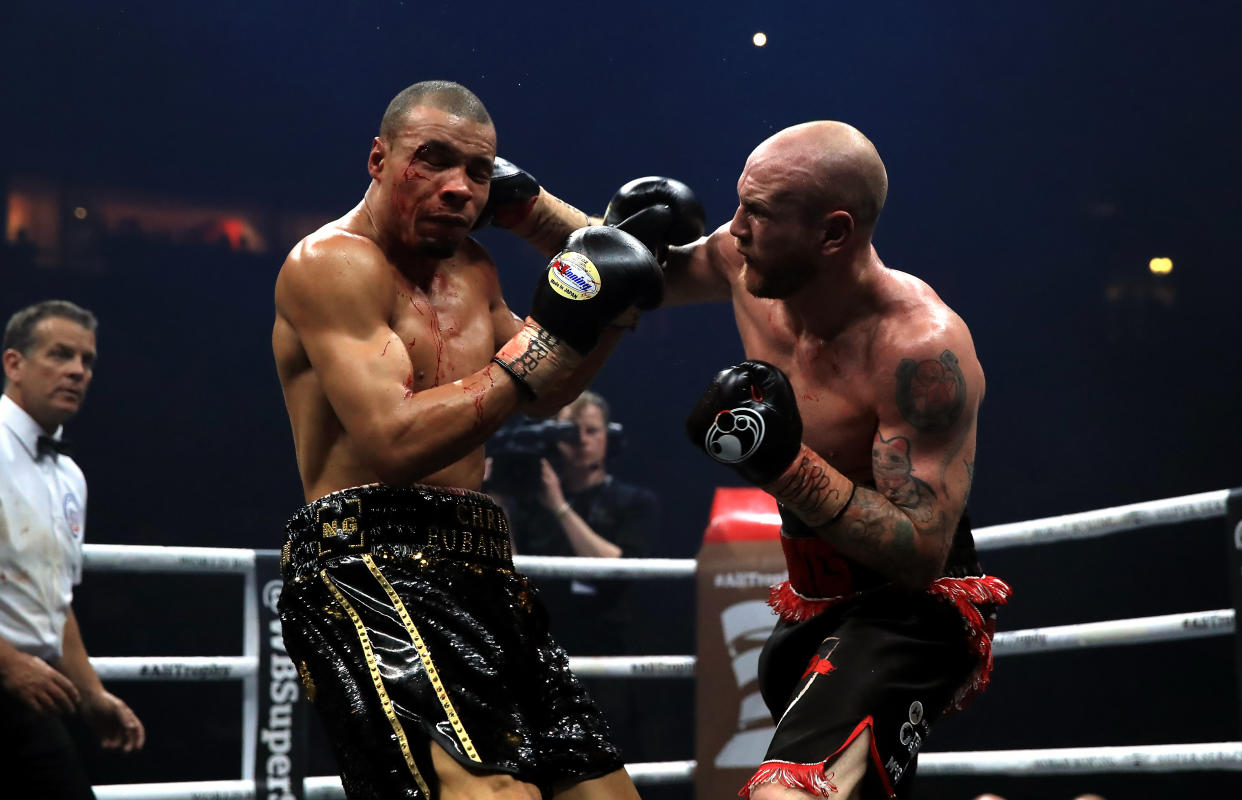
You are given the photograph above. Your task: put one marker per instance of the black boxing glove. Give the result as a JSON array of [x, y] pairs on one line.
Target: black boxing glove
[[748, 418], [511, 197], [598, 277], [658, 212]]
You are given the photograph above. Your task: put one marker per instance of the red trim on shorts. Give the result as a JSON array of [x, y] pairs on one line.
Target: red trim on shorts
[[814, 777], [964, 594], [794, 607]]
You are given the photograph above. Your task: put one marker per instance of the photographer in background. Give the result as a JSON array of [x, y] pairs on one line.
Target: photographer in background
[[582, 510], [553, 481]]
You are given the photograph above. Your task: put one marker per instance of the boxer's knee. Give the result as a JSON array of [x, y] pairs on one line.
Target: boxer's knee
[[842, 776], [613, 786], [456, 782], [848, 768]]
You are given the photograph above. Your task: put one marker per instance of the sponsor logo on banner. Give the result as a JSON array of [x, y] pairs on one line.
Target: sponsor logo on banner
[[280, 760], [572, 275], [745, 627]]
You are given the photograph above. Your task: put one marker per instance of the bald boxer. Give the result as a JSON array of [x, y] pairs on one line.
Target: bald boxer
[[856, 410], [426, 654]]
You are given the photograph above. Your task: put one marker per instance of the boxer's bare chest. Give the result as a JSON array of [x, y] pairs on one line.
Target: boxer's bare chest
[[444, 324], [833, 381]]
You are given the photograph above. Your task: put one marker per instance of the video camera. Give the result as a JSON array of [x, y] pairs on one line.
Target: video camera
[[515, 451]]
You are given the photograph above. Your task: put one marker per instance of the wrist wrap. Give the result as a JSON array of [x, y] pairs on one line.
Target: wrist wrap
[[536, 359], [812, 489]]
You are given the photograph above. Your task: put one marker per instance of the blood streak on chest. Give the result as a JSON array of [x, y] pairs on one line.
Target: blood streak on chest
[[437, 336], [409, 386]]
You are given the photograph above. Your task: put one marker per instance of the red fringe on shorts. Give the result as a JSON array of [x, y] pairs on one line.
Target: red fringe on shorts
[[793, 607], [807, 777], [964, 594], [815, 778]]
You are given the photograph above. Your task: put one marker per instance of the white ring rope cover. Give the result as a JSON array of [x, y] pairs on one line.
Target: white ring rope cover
[[226, 668], [1059, 761], [1088, 524], [1142, 630], [1083, 525], [1086, 760], [328, 787]]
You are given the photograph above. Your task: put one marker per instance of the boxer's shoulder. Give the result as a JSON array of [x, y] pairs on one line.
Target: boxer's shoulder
[[332, 247], [913, 318], [336, 267]]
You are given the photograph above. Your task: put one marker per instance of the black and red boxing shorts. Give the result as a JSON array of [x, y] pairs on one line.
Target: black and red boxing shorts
[[408, 624], [889, 661]]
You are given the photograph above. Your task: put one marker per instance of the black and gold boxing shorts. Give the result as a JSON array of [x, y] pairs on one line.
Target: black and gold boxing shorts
[[408, 623]]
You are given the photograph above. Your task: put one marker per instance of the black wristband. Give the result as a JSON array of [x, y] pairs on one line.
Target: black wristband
[[522, 385], [845, 505]]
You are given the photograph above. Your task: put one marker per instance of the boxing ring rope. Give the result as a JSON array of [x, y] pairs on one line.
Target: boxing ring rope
[[1079, 760], [1067, 761], [1141, 630]]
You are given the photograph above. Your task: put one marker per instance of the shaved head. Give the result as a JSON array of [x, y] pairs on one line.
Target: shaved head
[[829, 164], [444, 95]]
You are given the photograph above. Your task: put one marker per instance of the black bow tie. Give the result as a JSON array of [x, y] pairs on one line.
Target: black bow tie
[[49, 446]]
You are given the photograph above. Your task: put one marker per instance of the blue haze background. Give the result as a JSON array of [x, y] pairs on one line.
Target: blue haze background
[[1039, 155]]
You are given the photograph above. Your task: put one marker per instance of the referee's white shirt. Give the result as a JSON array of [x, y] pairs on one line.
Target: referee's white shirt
[[42, 524]]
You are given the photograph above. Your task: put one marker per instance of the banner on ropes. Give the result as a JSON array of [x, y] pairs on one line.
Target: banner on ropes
[[280, 757], [740, 559]]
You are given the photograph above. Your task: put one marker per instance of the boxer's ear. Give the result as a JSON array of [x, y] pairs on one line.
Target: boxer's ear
[[375, 161], [837, 229]]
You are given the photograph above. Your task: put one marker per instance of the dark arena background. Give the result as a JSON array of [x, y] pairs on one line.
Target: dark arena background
[[157, 161]]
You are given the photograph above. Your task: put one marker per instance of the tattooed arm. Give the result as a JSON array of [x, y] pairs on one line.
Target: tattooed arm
[[922, 460]]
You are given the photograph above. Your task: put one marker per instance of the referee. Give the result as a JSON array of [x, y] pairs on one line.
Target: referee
[[49, 357]]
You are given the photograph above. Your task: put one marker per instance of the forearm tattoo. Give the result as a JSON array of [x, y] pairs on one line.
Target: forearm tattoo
[[931, 395], [812, 489], [875, 527]]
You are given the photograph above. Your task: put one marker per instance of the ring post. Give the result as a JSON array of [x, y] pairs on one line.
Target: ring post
[[1233, 517], [740, 558], [280, 749]]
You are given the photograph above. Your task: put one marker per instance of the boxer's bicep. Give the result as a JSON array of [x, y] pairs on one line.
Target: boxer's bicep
[[924, 448], [337, 308], [505, 323]]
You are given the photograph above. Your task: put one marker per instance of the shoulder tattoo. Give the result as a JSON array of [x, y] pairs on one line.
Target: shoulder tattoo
[[931, 394]]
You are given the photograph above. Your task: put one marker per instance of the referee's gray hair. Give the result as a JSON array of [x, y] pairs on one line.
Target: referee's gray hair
[[19, 333]]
